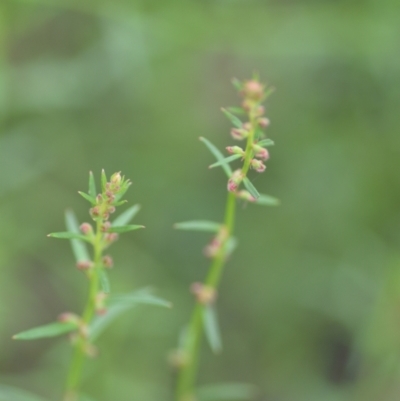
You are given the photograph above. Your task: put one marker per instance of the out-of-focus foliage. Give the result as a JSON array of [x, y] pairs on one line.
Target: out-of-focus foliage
[[309, 307]]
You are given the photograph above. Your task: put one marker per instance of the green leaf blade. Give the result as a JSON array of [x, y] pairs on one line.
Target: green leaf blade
[[211, 328], [124, 229], [218, 155], [92, 186], [78, 247], [228, 159], [198, 225], [104, 281], [251, 188], [234, 120], [266, 200], [125, 217], [87, 197], [103, 180], [265, 142], [46, 331], [68, 235]]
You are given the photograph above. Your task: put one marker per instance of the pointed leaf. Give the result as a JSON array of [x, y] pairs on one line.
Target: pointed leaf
[[198, 225], [104, 281], [69, 235], [103, 180], [127, 216], [78, 247], [234, 120], [87, 197], [124, 229], [227, 392], [267, 200], [211, 328], [92, 186], [117, 307], [251, 188], [8, 393], [237, 84], [236, 110], [218, 155], [49, 330], [265, 142], [225, 160]]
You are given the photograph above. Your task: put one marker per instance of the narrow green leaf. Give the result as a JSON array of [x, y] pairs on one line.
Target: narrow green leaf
[[87, 197], [265, 142], [103, 180], [126, 216], [236, 110], [92, 186], [120, 203], [8, 393], [123, 190], [117, 305], [124, 229], [78, 247], [267, 200], [234, 120], [69, 235], [227, 392], [49, 330], [211, 328], [104, 281], [251, 188], [237, 84], [218, 155], [225, 160], [198, 225]]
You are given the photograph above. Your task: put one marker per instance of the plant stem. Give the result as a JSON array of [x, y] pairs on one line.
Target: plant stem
[[78, 357], [188, 372]]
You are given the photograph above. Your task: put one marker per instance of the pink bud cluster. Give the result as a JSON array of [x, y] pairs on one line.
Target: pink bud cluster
[[254, 155]]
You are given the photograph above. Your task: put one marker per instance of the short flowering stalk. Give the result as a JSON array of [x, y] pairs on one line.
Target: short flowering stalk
[[253, 94]]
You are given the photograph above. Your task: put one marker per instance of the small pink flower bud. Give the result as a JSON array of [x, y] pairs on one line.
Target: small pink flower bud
[[260, 111], [235, 150], [264, 122], [246, 196], [203, 293], [239, 133], [260, 152], [111, 237], [99, 198], [95, 212], [107, 261], [111, 209], [235, 180], [258, 165], [84, 264], [253, 90], [86, 228], [106, 215], [247, 126], [69, 317], [106, 226]]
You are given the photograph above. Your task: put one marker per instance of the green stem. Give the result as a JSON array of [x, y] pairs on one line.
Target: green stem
[[78, 357], [188, 372]]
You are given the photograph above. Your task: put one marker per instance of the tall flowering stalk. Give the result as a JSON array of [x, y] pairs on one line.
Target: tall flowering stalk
[[100, 309], [253, 156]]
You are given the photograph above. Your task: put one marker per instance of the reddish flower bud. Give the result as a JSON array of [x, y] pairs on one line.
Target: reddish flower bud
[[260, 152], [235, 180], [253, 90], [264, 122], [111, 209], [203, 293], [111, 237], [105, 226], [86, 228], [84, 264], [107, 261], [260, 111], [239, 133], [258, 165], [95, 212], [69, 317], [235, 150]]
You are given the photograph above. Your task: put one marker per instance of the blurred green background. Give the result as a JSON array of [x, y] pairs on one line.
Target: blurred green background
[[310, 302]]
